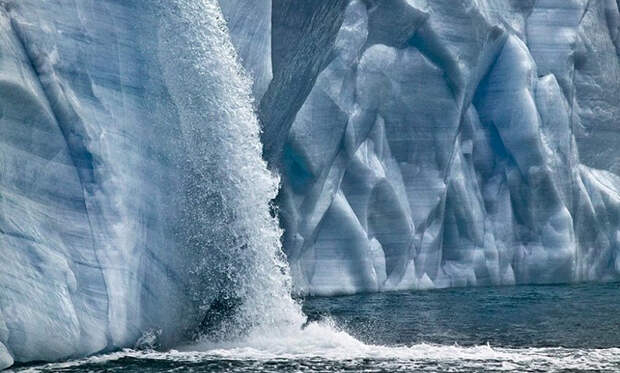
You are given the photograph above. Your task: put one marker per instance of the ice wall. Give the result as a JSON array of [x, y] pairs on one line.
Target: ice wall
[[445, 143], [87, 170], [133, 195]]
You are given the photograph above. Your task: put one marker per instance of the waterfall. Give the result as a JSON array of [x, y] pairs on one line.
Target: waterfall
[[229, 189]]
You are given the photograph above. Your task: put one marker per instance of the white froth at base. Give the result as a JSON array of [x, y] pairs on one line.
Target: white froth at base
[[324, 343]]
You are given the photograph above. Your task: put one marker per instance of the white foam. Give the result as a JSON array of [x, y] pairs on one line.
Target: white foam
[[322, 342], [325, 341]]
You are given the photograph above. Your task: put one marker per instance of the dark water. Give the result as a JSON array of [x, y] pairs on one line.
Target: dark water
[[565, 328], [574, 316]]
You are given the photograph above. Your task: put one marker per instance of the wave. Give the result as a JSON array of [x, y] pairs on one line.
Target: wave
[[322, 346]]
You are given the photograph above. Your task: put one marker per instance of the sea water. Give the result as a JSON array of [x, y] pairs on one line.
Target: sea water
[[521, 329]]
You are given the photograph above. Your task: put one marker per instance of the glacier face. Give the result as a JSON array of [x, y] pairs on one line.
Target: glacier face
[[87, 174], [445, 143], [420, 144], [133, 193]]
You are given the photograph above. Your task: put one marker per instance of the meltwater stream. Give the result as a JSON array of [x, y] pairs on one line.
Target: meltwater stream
[[230, 189]]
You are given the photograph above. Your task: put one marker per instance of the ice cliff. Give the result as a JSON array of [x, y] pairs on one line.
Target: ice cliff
[[445, 143], [420, 144], [133, 193]]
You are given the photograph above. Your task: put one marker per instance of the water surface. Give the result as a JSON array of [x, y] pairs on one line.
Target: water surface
[[574, 316], [563, 328]]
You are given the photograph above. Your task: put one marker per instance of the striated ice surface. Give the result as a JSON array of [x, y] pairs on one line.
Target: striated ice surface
[[132, 190], [420, 144], [446, 143]]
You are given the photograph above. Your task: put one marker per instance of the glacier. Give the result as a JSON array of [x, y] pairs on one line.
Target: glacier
[[420, 144], [448, 143], [133, 191]]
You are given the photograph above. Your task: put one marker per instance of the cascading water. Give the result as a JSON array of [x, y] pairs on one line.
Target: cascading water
[[229, 191], [229, 188]]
